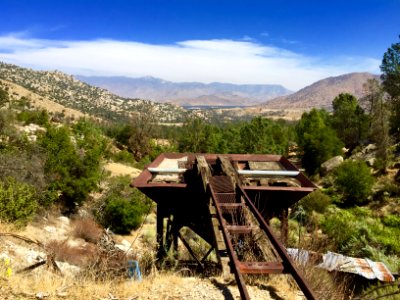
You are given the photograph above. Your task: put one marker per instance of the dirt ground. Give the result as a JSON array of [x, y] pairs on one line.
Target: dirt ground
[[117, 169]]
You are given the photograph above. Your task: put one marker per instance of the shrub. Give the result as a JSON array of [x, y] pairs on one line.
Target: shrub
[[36, 117], [123, 157], [122, 215], [356, 230], [17, 201], [316, 201], [354, 181], [123, 207], [391, 220]]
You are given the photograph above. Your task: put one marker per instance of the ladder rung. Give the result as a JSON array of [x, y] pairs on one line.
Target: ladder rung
[[225, 197], [261, 267], [239, 229], [231, 206]]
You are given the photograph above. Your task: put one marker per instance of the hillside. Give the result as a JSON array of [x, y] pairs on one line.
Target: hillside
[[188, 93], [321, 93], [69, 92]]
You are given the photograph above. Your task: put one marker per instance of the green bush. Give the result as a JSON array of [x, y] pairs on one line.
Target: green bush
[[356, 230], [123, 207], [17, 201], [316, 201], [123, 157], [391, 220], [353, 180], [37, 117], [122, 215]]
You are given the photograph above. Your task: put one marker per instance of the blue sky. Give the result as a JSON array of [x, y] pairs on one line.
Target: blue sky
[[293, 43]]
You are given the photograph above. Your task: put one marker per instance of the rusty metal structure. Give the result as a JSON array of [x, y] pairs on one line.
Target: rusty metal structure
[[228, 201]]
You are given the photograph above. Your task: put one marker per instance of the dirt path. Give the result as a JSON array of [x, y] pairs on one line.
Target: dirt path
[[118, 169]]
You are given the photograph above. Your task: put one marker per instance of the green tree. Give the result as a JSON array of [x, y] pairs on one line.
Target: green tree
[[354, 181], [390, 68], [199, 137], [263, 136], [316, 139], [143, 126], [349, 120], [72, 168], [379, 115], [4, 97]]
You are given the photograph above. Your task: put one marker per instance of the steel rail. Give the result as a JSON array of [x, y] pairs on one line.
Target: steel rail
[[286, 260]]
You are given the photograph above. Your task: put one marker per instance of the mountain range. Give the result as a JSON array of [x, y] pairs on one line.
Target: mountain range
[[188, 93], [321, 93], [65, 90]]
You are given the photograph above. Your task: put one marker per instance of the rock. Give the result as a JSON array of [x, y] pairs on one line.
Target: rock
[[50, 229], [64, 220], [124, 246], [371, 161], [41, 295], [67, 269], [331, 164], [369, 148]]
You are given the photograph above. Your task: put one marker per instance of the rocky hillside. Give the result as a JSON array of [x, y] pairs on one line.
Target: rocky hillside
[[321, 93], [188, 93], [72, 93]]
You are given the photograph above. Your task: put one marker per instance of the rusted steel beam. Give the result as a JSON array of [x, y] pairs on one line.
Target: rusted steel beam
[[261, 267], [280, 249]]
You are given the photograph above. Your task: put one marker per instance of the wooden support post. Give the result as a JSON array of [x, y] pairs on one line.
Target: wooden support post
[[284, 225], [175, 231], [160, 233]]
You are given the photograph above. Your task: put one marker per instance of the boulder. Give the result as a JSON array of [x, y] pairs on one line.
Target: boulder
[[331, 164], [371, 161]]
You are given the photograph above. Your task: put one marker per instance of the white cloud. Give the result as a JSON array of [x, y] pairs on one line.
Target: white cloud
[[193, 60]]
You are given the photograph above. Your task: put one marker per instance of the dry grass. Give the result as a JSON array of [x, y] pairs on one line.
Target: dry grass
[[87, 229], [157, 286], [79, 256]]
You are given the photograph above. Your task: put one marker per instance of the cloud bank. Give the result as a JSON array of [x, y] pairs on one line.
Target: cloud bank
[[223, 60]]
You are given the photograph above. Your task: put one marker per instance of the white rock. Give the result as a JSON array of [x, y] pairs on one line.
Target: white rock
[[50, 229], [331, 164], [126, 243], [64, 220]]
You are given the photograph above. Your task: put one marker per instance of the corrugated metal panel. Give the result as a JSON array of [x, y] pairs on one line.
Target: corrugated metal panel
[[338, 262]]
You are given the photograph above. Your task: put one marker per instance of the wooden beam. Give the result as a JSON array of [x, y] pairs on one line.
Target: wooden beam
[[190, 250]]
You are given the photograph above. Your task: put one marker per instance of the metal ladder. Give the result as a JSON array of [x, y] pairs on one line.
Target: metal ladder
[[248, 241]]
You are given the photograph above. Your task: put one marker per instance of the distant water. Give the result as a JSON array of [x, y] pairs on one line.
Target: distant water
[[192, 107]]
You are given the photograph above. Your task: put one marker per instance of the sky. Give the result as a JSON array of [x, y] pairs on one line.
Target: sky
[[292, 43]]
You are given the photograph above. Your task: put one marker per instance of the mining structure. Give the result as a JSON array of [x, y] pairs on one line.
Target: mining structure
[[228, 200]]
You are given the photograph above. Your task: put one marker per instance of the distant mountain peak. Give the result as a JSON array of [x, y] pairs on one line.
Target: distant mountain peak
[[320, 94]]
